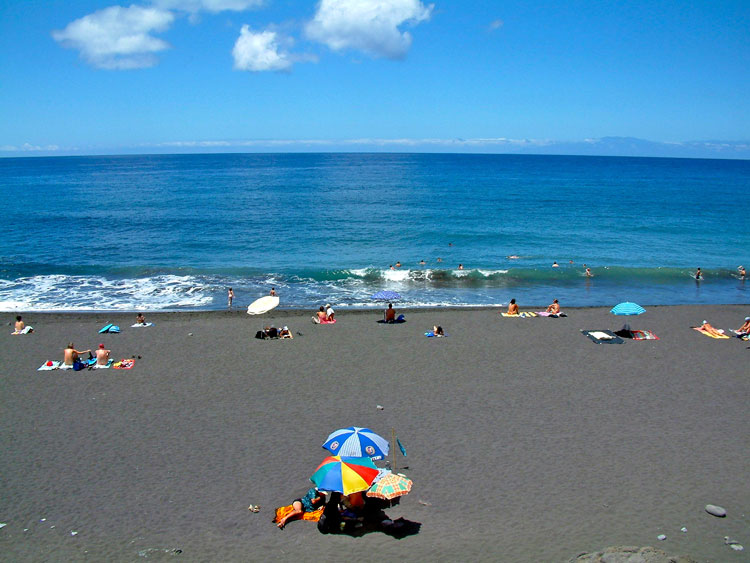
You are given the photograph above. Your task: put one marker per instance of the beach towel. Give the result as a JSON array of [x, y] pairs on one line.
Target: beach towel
[[103, 366], [313, 516], [432, 335], [602, 336], [643, 335], [331, 322], [522, 315], [553, 315], [699, 329], [109, 328], [26, 330], [136, 325], [46, 366], [125, 363]]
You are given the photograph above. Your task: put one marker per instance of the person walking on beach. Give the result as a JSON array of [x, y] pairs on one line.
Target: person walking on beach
[[230, 298]]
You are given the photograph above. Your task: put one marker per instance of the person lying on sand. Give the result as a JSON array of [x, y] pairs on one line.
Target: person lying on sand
[[707, 328], [70, 354], [312, 500], [745, 328], [554, 307], [102, 356], [285, 333], [512, 307]]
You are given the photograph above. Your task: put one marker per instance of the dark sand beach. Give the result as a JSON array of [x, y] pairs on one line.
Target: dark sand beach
[[526, 441]]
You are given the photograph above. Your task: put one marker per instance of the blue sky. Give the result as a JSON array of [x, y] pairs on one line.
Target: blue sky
[[80, 77]]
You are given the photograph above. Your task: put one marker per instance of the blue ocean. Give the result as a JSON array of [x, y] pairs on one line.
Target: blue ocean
[[174, 232]]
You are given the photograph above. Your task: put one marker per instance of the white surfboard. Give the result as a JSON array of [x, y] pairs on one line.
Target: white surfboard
[[262, 305]]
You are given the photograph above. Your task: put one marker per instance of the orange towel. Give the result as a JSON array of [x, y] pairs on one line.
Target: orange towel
[[313, 516]]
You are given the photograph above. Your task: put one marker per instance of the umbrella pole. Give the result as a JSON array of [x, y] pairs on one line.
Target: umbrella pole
[[393, 447]]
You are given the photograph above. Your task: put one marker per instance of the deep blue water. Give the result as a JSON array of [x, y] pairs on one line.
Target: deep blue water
[[174, 231]]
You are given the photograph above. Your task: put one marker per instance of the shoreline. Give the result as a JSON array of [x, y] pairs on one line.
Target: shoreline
[[526, 441]]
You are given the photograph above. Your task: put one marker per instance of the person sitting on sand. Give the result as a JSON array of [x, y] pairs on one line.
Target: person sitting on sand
[[320, 315], [140, 319], [512, 307], [102, 356], [329, 312], [554, 308], [707, 328], [285, 333], [312, 500], [271, 332], [745, 328], [390, 314], [71, 355], [21, 327], [437, 330]]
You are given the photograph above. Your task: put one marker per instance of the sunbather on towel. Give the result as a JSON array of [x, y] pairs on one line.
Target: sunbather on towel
[[312, 500], [707, 328], [554, 308], [70, 354], [285, 333], [390, 314], [102, 356], [745, 328], [512, 307], [21, 327]]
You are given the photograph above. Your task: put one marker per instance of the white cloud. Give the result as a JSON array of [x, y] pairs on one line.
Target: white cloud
[[117, 37], [371, 26], [259, 51], [497, 24], [212, 6]]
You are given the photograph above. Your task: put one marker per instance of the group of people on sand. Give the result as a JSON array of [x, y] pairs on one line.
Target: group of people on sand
[[351, 514], [325, 315], [741, 332], [71, 356], [553, 308], [273, 332]]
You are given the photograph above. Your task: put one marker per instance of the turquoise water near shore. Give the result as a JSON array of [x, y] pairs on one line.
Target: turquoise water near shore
[[173, 232]]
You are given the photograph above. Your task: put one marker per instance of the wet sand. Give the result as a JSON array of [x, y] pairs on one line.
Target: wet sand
[[526, 441]]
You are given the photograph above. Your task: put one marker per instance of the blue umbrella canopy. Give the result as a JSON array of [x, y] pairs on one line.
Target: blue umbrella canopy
[[385, 296], [357, 442], [627, 308]]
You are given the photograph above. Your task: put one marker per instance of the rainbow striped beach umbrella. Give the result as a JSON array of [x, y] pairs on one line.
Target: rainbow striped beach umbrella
[[345, 475]]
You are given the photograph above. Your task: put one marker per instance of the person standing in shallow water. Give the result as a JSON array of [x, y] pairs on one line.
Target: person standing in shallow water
[[230, 298]]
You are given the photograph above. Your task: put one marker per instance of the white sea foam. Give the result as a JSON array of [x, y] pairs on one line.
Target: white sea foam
[[84, 293]]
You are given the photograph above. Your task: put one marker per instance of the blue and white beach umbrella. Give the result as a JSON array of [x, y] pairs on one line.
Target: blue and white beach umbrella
[[357, 442], [627, 308]]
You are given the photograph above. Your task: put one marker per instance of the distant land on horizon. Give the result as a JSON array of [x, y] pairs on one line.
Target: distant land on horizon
[[605, 146]]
